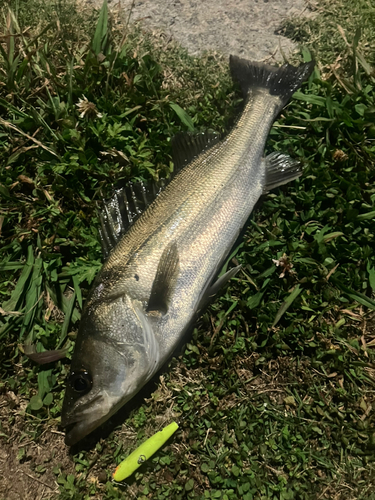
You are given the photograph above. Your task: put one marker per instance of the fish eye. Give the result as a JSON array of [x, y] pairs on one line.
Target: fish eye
[[81, 382]]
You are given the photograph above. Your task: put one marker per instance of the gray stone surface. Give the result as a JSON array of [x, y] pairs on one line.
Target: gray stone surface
[[247, 28]]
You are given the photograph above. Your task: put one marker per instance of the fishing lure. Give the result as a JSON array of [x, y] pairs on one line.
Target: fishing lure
[[143, 452]]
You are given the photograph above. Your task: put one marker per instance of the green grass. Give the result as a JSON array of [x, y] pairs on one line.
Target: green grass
[[276, 385], [331, 30]]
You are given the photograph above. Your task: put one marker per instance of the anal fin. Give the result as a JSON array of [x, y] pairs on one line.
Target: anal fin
[[165, 280], [210, 292], [280, 169]]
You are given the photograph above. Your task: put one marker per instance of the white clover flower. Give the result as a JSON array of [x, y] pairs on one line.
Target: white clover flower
[[285, 265], [88, 109]]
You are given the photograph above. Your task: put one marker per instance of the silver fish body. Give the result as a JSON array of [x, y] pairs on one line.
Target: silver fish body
[[162, 271]]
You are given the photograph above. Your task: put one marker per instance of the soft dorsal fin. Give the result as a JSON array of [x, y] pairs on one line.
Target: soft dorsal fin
[[186, 146]]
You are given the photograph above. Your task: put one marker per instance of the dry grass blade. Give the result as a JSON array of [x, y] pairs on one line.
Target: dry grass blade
[[16, 129]]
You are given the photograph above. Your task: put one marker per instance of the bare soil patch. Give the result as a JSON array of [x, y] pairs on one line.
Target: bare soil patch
[[247, 28]]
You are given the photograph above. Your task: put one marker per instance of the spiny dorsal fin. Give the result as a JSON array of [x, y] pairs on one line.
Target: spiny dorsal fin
[[186, 146], [111, 221], [165, 280], [128, 203], [122, 210]]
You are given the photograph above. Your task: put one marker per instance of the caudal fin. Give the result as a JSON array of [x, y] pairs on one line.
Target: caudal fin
[[281, 81]]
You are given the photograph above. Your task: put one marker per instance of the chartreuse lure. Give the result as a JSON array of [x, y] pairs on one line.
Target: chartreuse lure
[[143, 452]]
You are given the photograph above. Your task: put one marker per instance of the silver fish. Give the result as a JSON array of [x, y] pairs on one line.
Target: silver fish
[[162, 271]]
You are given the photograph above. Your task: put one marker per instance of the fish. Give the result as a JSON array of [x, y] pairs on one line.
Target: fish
[[163, 259]]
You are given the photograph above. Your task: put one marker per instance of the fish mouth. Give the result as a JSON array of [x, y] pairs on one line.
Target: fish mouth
[[79, 428], [71, 434], [79, 425], [74, 432]]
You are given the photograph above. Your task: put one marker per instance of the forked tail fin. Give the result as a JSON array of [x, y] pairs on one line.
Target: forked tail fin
[[281, 81]]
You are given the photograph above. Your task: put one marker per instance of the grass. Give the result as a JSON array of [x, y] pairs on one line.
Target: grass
[[331, 30], [276, 385]]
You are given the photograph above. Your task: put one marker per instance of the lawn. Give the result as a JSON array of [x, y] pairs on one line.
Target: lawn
[[275, 389]]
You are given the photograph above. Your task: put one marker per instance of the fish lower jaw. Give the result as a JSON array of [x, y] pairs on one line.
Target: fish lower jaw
[[70, 440], [78, 428], [76, 431], [81, 424], [77, 425]]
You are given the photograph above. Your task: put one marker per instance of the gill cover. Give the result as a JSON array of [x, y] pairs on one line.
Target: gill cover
[[107, 371]]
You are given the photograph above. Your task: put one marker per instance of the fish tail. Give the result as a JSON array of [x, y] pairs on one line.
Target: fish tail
[[281, 81]]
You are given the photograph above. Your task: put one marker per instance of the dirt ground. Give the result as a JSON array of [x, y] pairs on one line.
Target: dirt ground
[[21, 457], [246, 28]]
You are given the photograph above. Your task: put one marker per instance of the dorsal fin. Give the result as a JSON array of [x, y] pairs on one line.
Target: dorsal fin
[[123, 209], [187, 146], [128, 203]]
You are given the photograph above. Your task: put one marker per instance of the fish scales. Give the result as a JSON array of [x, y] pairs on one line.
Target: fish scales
[[218, 193], [211, 195], [159, 274]]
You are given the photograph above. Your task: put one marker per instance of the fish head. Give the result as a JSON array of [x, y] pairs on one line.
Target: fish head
[[109, 365]]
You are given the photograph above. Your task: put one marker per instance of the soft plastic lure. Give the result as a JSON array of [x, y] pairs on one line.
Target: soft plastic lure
[[143, 452]]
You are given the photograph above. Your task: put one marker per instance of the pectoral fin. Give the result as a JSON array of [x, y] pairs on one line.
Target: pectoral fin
[[165, 280]]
